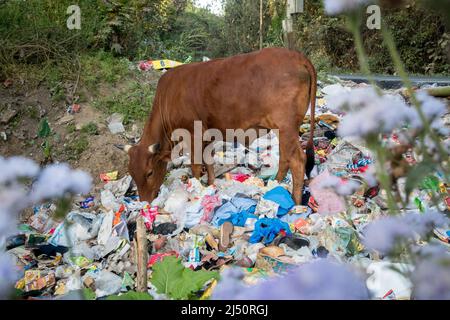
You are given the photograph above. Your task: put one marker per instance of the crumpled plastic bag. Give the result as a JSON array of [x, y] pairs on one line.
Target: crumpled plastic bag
[[119, 187], [109, 201], [267, 208], [238, 204], [383, 278], [267, 229], [282, 197], [107, 283], [81, 226]]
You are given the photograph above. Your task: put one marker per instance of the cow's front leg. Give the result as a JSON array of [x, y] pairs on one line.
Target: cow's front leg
[[196, 170], [211, 174], [283, 167]]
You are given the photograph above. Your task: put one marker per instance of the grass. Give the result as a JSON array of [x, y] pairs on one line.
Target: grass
[[102, 67], [90, 129], [76, 147], [71, 128], [134, 102]]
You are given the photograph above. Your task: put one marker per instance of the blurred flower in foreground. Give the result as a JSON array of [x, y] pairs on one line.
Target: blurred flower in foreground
[[384, 234], [52, 182], [368, 113], [431, 277], [318, 280], [57, 179]]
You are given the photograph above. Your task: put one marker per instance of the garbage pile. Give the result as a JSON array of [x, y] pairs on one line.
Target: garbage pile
[[246, 219]]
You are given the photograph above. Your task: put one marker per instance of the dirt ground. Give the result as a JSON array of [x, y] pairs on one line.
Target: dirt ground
[[26, 109]]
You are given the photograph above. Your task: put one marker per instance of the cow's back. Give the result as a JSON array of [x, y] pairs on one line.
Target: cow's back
[[244, 91]]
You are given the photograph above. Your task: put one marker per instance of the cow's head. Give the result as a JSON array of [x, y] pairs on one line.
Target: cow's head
[[147, 167]]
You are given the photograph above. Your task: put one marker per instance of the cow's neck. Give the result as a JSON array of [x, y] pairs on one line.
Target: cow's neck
[[153, 131]]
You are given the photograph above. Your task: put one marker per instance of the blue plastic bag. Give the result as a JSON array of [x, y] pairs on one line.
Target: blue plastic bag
[[281, 196]]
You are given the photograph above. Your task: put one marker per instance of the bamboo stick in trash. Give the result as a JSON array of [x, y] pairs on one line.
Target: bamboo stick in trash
[[142, 256]]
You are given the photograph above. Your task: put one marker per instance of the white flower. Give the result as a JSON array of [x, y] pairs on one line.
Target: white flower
[[382, 235], [52, 182], [369, 113], [57, 179], [334, 7], [431, 277], [321, 279], [340, 186], [15, 167], [370, 176], [431, 107], [8, 275]]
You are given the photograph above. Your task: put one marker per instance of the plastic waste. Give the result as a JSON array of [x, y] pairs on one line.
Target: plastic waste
[[282, 197], [115, 124], [107, 283]]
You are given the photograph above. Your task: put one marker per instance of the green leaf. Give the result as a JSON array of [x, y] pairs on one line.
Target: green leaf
[[44, 129], [131, 295], [171, 278], [430, 183], [88, 294], [416, 176]]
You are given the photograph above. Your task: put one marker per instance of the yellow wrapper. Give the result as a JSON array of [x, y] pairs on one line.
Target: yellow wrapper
[[165, 64]]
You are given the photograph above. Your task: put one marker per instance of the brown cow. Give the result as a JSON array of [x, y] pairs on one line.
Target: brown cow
[[271, 89]]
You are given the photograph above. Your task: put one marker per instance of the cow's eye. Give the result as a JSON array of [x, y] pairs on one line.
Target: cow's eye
[[149, 174]]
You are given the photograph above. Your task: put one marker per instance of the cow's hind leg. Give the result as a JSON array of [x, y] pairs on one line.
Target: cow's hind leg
[[296, 157], [283, 166]]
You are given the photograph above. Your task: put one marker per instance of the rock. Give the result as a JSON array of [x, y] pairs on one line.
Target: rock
[[7, 115]]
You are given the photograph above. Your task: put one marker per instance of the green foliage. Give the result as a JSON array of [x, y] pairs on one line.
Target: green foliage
[[416, 176], [90, 129], [420, 35], [241, 31], [44, 129], [89, 294], [194, 32], [170, 277], [47, 149], [76, 147], [103, 67], [70, 128], [134, 102]]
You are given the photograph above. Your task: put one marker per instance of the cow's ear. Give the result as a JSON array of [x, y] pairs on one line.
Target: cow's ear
[[154, 148], [122, 147]]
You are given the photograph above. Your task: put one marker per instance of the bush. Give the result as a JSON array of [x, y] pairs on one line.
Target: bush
[[421, 37]]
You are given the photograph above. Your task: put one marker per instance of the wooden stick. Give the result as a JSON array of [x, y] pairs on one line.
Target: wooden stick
[[142, 255]]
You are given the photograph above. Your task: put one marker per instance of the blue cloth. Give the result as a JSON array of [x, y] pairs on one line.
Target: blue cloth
[[239, 219], [267, 229], [238, 209], [281, 196]]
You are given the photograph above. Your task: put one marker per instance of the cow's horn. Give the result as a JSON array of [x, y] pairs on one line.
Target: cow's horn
[[154, 148], [125, 148]]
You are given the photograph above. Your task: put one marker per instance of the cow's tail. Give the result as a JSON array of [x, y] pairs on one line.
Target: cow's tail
[[312, 96]]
